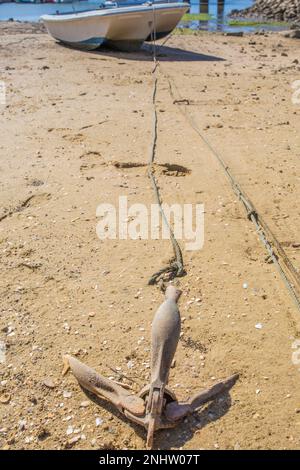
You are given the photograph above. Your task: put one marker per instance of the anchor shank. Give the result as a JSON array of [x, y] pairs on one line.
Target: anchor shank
[[165, 336]]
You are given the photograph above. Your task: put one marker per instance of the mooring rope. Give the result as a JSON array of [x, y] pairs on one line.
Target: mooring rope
[[176, 267], [261, 226]]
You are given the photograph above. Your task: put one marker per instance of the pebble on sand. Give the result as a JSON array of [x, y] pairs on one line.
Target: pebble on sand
[[99, 421], [69, 430], [84, 404], [5, 398], [48, 383]]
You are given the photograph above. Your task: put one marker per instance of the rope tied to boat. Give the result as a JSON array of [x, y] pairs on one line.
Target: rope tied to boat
[[176, 265]]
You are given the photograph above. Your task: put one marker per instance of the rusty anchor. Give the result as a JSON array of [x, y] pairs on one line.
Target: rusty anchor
[[156, 406]]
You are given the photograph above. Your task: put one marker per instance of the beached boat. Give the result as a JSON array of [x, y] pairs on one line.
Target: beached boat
[[124, 28]]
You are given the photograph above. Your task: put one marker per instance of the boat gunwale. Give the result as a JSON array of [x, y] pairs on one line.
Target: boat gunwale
[[112, 12]]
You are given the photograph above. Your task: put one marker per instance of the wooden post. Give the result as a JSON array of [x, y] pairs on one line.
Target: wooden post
[[204, 6], [221, 4]]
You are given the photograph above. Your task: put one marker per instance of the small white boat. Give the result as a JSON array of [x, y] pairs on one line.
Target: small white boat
[[124, 28]]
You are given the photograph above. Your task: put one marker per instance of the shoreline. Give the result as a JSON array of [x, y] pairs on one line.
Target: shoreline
[[212, 24], [22, 27], [17, 26]]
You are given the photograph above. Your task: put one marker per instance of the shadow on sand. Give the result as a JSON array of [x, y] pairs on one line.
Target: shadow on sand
[[171, 438], [164, 54]]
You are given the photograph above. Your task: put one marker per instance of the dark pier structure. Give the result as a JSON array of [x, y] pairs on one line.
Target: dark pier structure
[[205, 4]]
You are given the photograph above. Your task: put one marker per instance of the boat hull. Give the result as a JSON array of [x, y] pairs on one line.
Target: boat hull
[[121, 28]]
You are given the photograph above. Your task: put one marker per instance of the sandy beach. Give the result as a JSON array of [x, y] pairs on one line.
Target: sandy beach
[[71, 118]]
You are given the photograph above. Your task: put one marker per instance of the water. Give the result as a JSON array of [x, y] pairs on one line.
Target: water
[[32, 12], [218, 22], [229, 5]]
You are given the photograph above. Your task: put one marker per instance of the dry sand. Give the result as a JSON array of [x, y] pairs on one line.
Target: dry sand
[[69, 116]]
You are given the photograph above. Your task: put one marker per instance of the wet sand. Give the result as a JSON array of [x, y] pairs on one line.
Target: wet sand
[[70, 116]]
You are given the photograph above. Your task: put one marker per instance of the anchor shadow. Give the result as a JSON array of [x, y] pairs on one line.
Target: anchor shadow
[[106, 405], [184, 432], [175, 437]]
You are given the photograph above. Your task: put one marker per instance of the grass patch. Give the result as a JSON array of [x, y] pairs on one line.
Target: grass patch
[[187, 32], [196, 17], [256, 23]]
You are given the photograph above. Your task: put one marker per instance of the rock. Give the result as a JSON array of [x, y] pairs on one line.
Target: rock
[[2, 352], [234, 33], [72, 441], [99, 421], [42, 434], [36, 182], [22, 424], [48, 383], [295, 34], [84, 404], [69, 430], [5, 398], [278, 10]]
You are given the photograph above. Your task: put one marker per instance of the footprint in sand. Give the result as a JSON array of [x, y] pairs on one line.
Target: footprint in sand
[[37, 200], [91, 160], [74, 137], [31, 201], [172, 169], [169, 169]]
